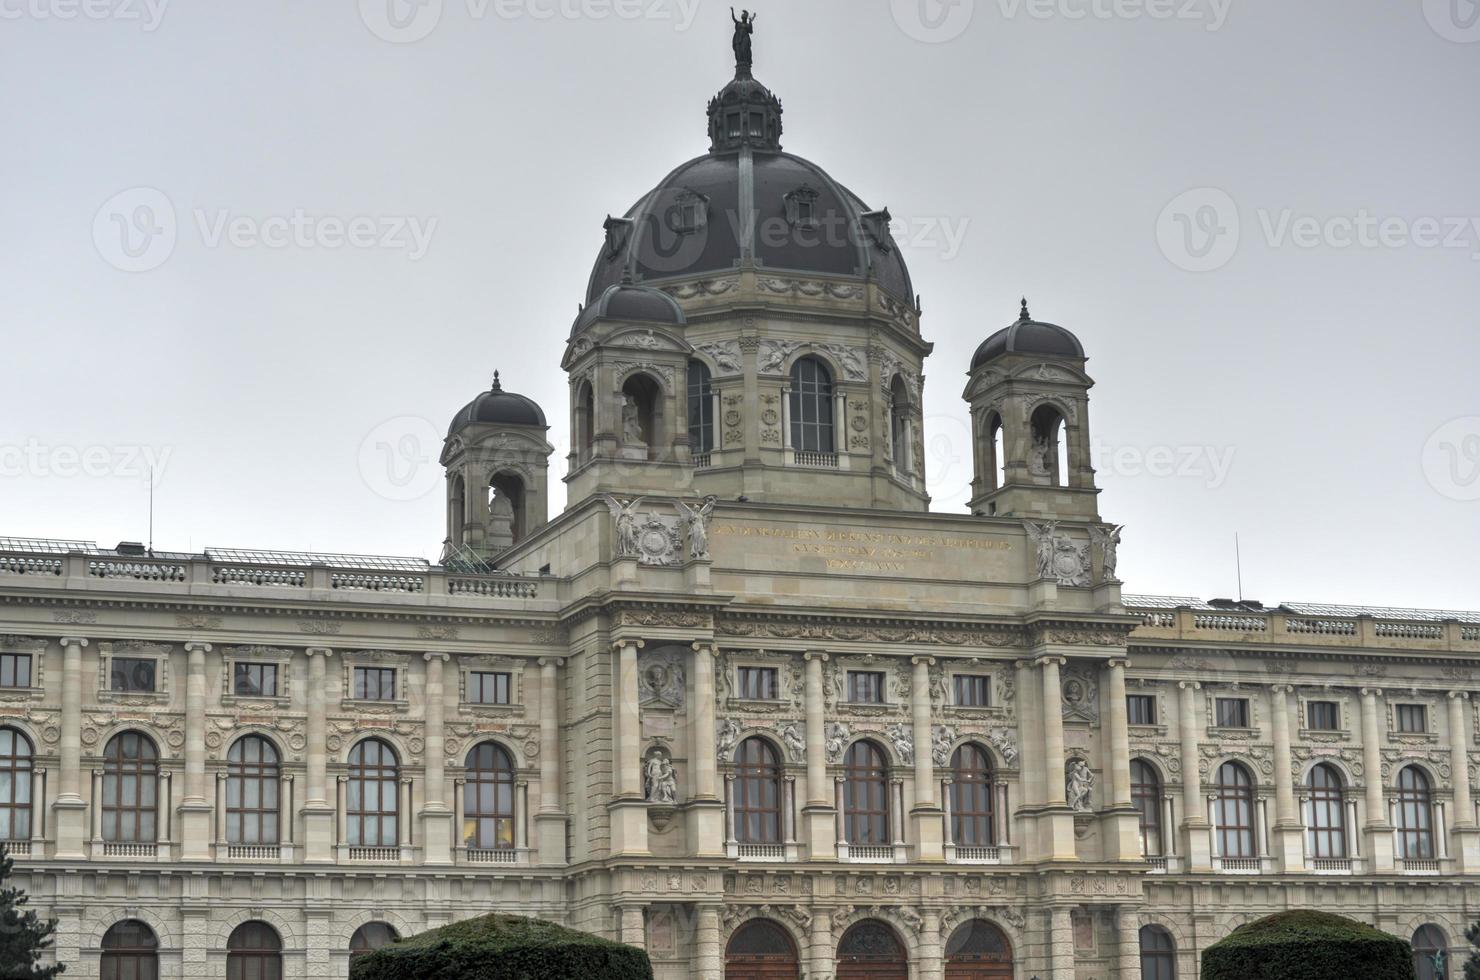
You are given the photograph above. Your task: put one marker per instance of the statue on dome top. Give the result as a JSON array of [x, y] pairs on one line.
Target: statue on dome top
[[744, 28]]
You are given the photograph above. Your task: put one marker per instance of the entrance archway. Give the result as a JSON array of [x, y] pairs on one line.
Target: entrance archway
[[978, 950], [870, 950], [761, 950]]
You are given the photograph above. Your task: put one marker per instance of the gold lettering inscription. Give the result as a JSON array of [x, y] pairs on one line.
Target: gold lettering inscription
[[850, 549]]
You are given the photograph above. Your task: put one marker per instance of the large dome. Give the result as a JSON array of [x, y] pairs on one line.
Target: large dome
[[797, 218]]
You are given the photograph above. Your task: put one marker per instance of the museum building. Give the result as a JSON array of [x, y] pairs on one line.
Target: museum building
[[746, 702]]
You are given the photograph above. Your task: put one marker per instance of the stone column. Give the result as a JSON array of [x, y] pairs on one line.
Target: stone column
[[436, 816], [1196, 846], [932, 960], [926, 813], [1056, 829], [632, 926], [822, 954], [1288, 844], [1061, 943], [708, 961], [195, 810], [1379, 831], [628, 808], [1466, 833], [819, 811], [318, 812], [69, 808], [706, 814], [550, 819], [1128, 942], [1122, 822]]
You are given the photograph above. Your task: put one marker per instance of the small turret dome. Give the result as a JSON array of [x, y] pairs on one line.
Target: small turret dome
[[1029, 336], [498, 407], [627, 301]]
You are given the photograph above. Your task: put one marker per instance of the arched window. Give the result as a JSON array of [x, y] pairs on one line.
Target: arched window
[[1047, 455], [1327, 819], [15, 785], [130, 952], [252, 782], [1415, 816], [1234, 809], [488, 799], [585, 423], [972, 812], [1158, 954], [899, 432], [1431, 954], [370, 937], [372, 801], [757, 793], [1146, 797], [871, 941], [130, 782], [761, 948], [254, 952], [996, 468], [506, 524], [865, 795], [701, 409], [811, 407], [983, 947]]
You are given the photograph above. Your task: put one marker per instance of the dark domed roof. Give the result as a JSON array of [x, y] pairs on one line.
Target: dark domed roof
[[499, 407], [1029, 336], [625, 301]]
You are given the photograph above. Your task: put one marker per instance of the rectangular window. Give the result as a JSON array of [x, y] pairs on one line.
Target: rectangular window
[[15, 670], [866, 686], [132, 674], [758, 683], [1322, 716], [973, 691], [1413, 718], [255, 680], [1233, 712], [375, 683], [1140, 709], [487, 687]]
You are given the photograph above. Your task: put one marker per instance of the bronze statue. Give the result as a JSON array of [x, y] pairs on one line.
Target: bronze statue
[[744, 27]]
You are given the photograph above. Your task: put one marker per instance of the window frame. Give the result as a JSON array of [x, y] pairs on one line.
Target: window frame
[[1247, 712], [1162, 958], [767, 678], [1241, 797], [866, 816], [811, 393], [491, 664], [11, 661], [851, 679], [1321, 705], [17, 804], [974, 682], [759, 792], [254, 962], [1150, 700], [477, 680], [108, 652], [703, 437], [141, 772], [238, 667], [501, 781], [142, 960], [1326, 831], [1148, 797], [267, 775], [973, 793], [362, 774], [1404, 710], [1414, 807]]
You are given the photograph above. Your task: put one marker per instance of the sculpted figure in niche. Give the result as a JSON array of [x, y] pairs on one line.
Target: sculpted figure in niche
[[631, 422], [1079, 781], [1040, 457], [660, 780]]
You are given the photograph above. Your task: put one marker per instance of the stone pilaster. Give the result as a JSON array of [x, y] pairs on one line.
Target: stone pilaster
[[631, 926], [1196, 847], [822, 954], [1128, 943], [69, 809], [318, 811], [550, 821], [1466, 834], [1286, 841], [708, 958], [926, 813], [1121, 823], [1378, 835], [437, 832], [195, 810], [819, 813], [932, 959], [1056, 826], [706, 811], [628, 808], [1061, 943]]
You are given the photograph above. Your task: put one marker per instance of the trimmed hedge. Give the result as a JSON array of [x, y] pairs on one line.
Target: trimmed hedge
[[503, 947], [1308, 946]]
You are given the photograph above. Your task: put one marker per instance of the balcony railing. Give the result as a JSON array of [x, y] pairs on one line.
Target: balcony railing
[[500, 855], [116, 849], [702, 461], [978, 855], [379, 855], [1331, 866], [870, 853], [761, 852], [1347, 627], [254, 852], [1420, 866], [820, 460], [1158, 864], [1240, 866]]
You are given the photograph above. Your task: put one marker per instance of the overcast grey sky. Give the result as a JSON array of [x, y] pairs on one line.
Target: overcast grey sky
[[1261, 217]]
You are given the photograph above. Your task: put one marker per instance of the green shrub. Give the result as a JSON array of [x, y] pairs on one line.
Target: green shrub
[[503, 947], [1308, 946]]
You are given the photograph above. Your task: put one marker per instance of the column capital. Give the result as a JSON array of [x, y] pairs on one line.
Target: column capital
[[924, 660], [1118, 662], [617, 645], [705, 646], [1282, 688], [1458, 695], [818, 655], [1189, 685], [74, 641], [429, 657], [1051, 658], [318, 652], [193, 646], [552, 661], [1372, 692]]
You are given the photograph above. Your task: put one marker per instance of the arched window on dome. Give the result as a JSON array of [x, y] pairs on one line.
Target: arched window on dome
[[254, 951], [585, 423], [641, 417], [1048, 453], [899, 425], [15, 785], [1326, 813], [996, 467], [701, 409], [506, 511], [811, 407], [457, 508], [130, 952]]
